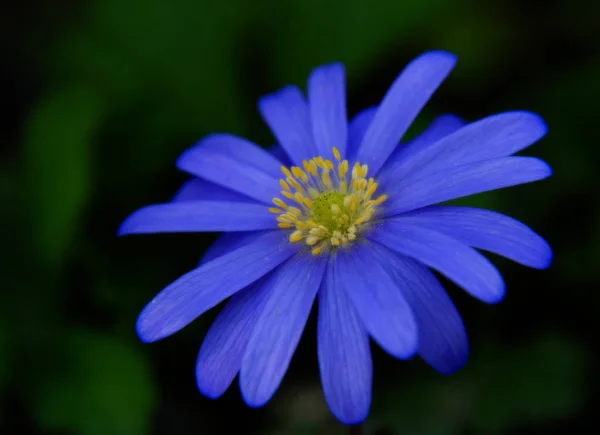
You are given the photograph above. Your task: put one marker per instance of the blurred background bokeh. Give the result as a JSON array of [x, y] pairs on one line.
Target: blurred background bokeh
[[100, 96]]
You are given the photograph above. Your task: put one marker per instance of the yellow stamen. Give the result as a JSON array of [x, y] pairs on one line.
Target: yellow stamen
[[284, 185], [300, 225], [286, 171], [306, 165], [299, 173], [336, 154], [284, 218], [343, 169], [380, 199], [312, 240], [295, 184], [332, 205], [363, 170], [280, 203], [296, 236], [326, 180], [312, 168], [371, 190], [313, 192], [287, 194]]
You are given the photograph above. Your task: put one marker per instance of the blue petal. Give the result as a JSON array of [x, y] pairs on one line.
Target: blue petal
[[293, 288], [465, 180], [443, 340], [461, 264], [203, 288], [357, 129], [286, 113], [227, 242], [377, 299], [234, 163], [223, 348], [327, 103], [490, 138], [440, 127], [279, 153], [401, 105], [198, 189], [198, 216], [344, 354], [487, 230]]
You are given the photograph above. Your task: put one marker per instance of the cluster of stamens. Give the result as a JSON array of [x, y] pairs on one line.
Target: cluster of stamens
[[329, 206]]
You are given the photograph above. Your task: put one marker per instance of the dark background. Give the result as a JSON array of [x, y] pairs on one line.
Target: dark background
[[99, 98]]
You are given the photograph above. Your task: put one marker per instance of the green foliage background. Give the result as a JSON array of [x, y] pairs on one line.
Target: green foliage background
[[101, 96]]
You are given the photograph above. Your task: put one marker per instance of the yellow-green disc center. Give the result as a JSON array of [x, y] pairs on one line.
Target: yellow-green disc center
[[323, 207]]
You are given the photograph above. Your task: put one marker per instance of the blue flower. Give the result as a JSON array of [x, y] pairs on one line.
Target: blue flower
[[341, 212]]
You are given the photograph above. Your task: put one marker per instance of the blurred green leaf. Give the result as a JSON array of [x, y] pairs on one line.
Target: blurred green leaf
[[57, 159], [566, 100], [567, 147], [483, 38], [104, 387], [167, 70], [538, 382], [5, 351], [311, 32], [500, 387]]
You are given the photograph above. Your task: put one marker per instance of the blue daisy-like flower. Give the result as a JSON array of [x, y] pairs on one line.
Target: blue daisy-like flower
[[343, 212]]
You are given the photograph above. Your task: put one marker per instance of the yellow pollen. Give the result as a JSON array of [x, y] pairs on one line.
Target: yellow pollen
[[299, 173], [326, 180], [343, 169], [280, 203], [286, 171], [296, 236], [336, 154], [287, 194], [294, 184], [300, 225], [334, 203], [363, 170], [312, 240]]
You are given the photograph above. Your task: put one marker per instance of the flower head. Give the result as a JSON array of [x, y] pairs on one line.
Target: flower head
[[343, 212], [330, 206]]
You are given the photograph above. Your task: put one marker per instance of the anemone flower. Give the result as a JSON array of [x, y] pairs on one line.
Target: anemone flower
[[343, 212]]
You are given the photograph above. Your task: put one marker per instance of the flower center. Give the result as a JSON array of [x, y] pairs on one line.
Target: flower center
[[331, 205]]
